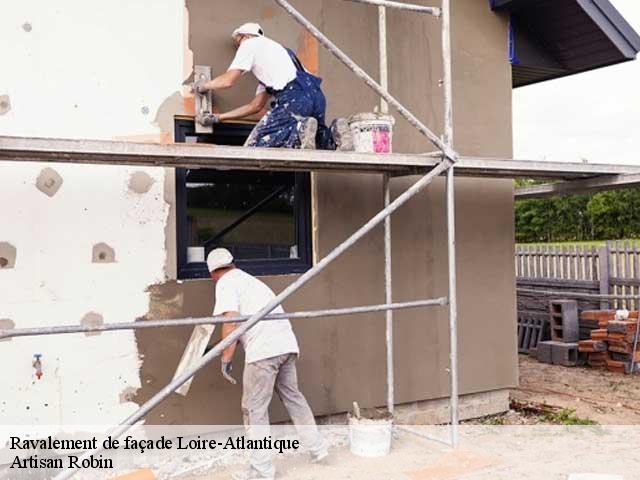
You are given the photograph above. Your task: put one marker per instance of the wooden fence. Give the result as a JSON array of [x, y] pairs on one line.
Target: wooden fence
[[613, 268]]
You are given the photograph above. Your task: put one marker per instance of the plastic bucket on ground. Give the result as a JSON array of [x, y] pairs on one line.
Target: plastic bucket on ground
[[372, 132], [370, 438]]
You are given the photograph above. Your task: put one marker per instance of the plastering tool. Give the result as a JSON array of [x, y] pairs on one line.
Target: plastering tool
[[204, 101], [193, 353]]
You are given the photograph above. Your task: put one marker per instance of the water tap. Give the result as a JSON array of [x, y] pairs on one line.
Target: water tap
[[37, 364]]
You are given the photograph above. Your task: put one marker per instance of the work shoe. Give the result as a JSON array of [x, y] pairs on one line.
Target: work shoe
[[342, 136], [307, 129], [250, 474]]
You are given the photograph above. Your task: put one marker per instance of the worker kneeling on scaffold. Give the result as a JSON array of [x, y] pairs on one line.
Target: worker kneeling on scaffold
[[270, 354], [297, 115]]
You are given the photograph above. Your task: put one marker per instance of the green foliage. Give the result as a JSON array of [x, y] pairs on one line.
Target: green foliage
[[599, 216], [566, 416]]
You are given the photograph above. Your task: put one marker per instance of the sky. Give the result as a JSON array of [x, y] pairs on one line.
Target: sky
[[592, 116]]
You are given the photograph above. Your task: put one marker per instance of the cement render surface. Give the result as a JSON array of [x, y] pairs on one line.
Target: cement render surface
[[342, 359]]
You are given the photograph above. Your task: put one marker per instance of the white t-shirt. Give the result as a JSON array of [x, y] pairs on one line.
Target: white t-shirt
[[267, 60], [237, 291]]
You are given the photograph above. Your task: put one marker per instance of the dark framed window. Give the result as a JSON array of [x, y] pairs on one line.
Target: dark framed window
[[263, 218]]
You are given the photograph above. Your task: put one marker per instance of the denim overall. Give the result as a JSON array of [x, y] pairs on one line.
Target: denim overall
[[300, 98]]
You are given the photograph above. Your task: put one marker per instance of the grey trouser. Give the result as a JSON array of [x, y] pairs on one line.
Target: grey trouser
[[258, 383]]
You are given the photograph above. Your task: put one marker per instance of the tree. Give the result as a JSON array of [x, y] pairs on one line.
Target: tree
[[600, 216]]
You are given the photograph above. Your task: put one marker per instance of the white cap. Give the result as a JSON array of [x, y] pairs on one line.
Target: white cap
[[219, 258], [248, 29]]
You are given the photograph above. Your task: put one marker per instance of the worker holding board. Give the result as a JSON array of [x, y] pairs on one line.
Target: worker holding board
[[297, 115], [271, 351]]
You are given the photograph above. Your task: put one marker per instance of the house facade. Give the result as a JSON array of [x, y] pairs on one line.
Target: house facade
[[105, 244]]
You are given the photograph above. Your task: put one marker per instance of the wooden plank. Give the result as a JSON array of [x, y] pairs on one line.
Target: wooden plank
[[104, 152], [636, 274], [555, 283], [627, 271], [603, 268], [625, 282], [204, 102]]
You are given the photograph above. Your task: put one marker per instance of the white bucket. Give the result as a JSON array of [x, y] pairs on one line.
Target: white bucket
[[372, 132], [370, 438]]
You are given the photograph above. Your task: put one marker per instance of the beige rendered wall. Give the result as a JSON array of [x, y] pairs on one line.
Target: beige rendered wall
[[343, 358]]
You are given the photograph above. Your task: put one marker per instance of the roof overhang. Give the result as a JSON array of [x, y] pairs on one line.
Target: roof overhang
[[556, 38]]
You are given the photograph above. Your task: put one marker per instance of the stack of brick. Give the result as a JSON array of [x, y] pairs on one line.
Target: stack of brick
[[565, 333], [621, 338], [596, 347], [591, 320], [612, 346]]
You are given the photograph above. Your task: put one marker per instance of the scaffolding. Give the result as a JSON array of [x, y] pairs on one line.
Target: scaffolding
[[443, 162]]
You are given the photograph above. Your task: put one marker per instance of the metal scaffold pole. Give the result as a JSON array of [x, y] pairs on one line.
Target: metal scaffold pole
[[447, 82], [192, 322], [402, 6], [384, 108], [388, 295]]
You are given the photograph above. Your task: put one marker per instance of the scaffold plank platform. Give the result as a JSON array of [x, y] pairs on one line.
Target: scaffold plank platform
[[106, 152]]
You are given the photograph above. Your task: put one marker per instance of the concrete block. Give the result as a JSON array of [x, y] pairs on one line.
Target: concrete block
[[565, 354], [563, 317], [543, 353]]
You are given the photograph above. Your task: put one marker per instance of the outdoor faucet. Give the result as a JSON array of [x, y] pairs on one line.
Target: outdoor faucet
[[37, 364]]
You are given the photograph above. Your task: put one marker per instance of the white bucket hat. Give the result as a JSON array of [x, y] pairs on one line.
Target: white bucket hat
[[219, 258], [248, 29]]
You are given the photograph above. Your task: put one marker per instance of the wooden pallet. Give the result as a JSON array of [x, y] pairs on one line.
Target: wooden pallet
[[531, 330]]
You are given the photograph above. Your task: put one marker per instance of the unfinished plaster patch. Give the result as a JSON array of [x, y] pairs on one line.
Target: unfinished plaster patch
[[140, 182], [128, 394], [8, 255], [6, 324], [27, 27], [103, 253], [92, 319], [5, 104], [49, 181]]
